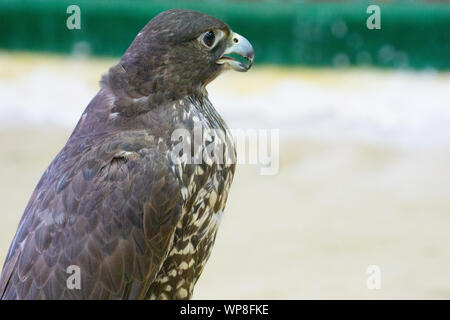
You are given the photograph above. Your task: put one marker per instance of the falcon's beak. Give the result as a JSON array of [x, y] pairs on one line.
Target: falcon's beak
[[241, 46]]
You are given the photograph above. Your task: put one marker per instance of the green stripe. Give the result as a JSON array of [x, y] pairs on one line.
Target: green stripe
[[415, 35]]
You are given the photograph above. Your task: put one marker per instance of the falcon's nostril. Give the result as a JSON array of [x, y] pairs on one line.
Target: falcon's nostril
[[235, 40]]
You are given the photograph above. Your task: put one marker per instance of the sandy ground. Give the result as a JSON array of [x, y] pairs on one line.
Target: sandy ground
[[364, 175], [310, 231]]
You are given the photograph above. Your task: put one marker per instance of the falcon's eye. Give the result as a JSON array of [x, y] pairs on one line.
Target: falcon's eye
[[211, 38], [208, 39]]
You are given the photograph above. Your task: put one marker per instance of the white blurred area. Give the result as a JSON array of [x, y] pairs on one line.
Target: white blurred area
[[364, 174], [402, 108]]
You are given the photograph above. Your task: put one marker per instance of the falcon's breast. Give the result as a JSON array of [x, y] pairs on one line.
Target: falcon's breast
[[206, 186]]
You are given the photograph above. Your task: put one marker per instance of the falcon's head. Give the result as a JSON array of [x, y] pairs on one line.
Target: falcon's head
[[180, 51]]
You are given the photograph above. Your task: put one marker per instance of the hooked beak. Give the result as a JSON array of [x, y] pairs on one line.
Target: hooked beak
[[241, 46]]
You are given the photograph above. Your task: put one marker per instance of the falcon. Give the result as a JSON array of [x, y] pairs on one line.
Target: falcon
[[116, 207]]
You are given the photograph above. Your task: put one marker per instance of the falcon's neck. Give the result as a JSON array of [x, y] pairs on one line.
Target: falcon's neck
[[118, 107], [143, 91]]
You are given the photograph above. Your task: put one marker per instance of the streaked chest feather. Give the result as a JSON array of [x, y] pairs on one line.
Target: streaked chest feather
[[205, 193]]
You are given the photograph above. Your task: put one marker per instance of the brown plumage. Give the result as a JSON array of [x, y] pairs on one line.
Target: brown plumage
[[139, 224]]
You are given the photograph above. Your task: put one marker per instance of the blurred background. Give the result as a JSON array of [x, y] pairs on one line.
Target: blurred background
[[364, 120]]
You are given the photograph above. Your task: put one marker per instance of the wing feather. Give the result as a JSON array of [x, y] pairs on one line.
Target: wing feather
[[108, 210]]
